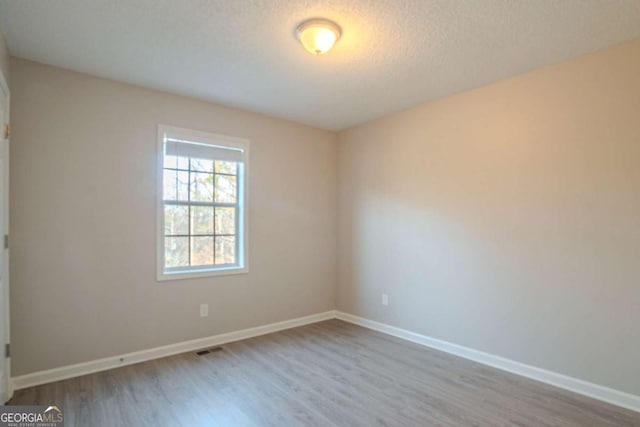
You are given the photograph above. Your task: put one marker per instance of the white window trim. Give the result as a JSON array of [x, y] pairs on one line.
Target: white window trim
[[243, 189]]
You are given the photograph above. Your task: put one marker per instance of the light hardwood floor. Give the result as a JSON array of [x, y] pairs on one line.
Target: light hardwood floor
[[326, 374]]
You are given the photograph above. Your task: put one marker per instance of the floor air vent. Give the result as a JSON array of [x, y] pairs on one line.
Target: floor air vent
[[209, 350]]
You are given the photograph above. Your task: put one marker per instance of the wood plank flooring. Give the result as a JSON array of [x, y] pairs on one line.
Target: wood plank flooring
[[327, 374]]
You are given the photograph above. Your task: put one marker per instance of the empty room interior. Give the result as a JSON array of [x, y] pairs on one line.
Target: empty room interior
[[320, 213]]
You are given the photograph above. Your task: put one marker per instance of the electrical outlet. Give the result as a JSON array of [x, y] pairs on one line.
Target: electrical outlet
[[385, 299], [204, 310]]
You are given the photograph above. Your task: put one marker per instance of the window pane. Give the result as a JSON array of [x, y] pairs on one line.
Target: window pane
[[226, 167], [183, 163], [225, 220], [183, 185], [176, 252], [225, 250], [202, 220], [201, 187], [169, 185], [201, 206], [202, 165], [176, 220], [202, 251], [226, 189], [170, 162]]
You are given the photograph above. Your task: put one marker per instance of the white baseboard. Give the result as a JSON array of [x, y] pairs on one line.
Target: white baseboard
[[609, 395], [70, 371]]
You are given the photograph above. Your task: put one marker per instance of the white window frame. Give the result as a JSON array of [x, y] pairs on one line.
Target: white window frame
[[242, 232]]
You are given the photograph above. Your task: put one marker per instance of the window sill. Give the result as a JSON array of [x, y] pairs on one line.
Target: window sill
[[194, 274]]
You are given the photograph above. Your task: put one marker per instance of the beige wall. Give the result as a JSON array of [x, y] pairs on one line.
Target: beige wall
[[83, 185], [506, 219]]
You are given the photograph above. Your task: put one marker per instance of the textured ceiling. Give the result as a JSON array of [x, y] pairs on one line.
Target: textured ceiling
[[393, 54]]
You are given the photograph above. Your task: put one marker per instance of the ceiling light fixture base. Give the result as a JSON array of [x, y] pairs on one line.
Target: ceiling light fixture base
[[318, 35]]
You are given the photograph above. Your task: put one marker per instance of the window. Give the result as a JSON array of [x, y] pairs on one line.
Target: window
[[201, 204]]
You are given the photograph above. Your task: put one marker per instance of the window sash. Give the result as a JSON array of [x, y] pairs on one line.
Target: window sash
[[205, 204], [236, 234]]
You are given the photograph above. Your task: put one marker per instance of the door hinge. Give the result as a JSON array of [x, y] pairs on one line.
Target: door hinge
[[7, 350], [6, 241], [7, 131]]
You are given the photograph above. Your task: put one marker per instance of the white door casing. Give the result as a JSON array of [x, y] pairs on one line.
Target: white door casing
[[5, 366]]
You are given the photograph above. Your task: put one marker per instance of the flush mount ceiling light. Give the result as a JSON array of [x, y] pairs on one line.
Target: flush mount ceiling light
[[318, 35]]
